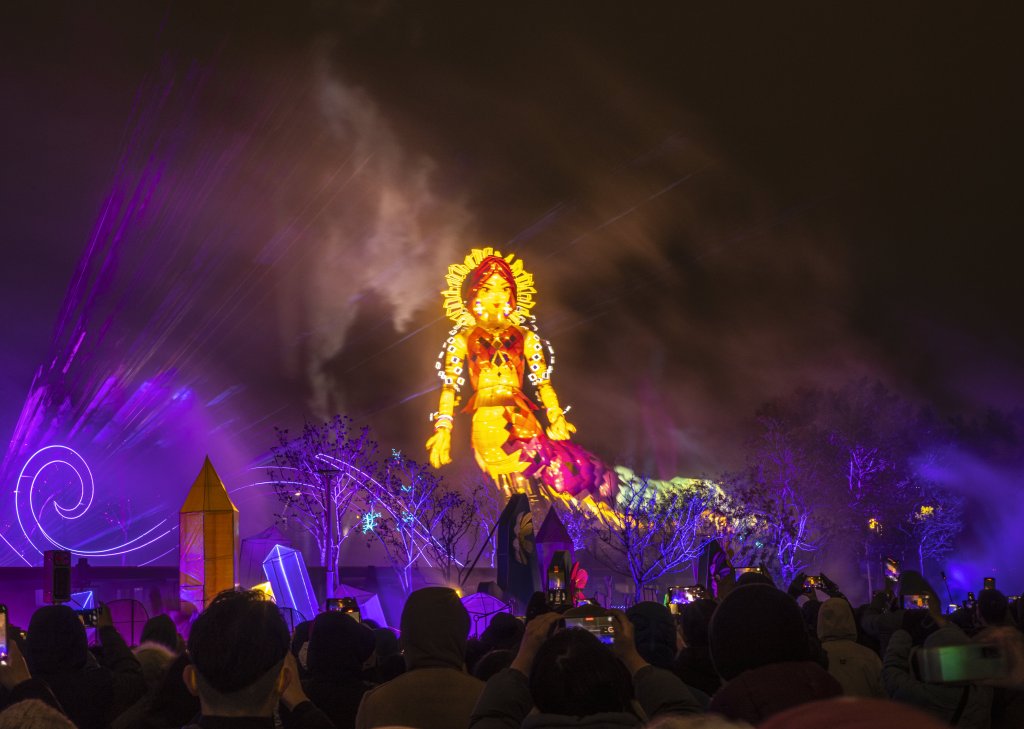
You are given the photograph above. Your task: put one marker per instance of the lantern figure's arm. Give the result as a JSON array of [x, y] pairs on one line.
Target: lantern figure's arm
[[540, 369], [452, 371]]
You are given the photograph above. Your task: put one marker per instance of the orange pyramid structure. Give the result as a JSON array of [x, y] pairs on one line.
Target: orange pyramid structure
[[207, 540]]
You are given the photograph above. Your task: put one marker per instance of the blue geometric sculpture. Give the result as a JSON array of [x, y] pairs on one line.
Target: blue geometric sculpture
[[286, 571]]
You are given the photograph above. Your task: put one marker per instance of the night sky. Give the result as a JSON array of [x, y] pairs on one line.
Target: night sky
[[718, 206]]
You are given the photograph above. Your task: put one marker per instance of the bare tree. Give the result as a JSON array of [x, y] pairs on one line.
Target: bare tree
[[658, 532], [406, 510], [319, 477], [934, 523]]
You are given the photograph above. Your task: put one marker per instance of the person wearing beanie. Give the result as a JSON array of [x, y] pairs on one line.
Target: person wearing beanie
[[693, 662], [435, 692], [338, 648], [760, 649], [857, 669], [57, 652], [655, 633], [968, 706]]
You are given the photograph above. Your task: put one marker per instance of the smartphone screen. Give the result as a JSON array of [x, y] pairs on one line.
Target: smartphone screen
[[601, 626], [989, 584], [812, 581], [3, 635], [347, 605], [954, 663], [915, 602], [892, 568]]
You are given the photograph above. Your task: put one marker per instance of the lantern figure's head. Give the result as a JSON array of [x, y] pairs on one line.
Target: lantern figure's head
[[492, 292]]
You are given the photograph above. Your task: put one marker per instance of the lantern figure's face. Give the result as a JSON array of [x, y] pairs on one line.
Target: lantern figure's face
[[493, 302]]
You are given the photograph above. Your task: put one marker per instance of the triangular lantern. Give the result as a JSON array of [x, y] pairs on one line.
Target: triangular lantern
[[207, 540]]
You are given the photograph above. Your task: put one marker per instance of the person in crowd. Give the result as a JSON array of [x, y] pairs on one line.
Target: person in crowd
[[387, 657], [241, 666], [760, 649], [492, 662], [852, 713], [300, 646], [655, 634], [962, 705], [993, 609], [154, 658], [857, 669], [884, 615], [435, 692], [16, 682], [91, 694], [338, 648], [161, 629], [503, 632], [33, 714], [658, 641], [169, 705], [693, 662], [573, 680]]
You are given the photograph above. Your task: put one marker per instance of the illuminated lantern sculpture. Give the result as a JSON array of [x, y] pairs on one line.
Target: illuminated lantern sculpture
[[208, 539], [493, 350]]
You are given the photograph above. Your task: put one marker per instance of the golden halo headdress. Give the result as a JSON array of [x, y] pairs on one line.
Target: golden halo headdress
[[455, 307]]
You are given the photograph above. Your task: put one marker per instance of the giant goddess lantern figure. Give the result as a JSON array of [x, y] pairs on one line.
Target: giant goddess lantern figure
[[494, 348]]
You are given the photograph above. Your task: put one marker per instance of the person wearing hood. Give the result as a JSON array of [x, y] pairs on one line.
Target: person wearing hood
[[760, 649], [435, 692], [338, 648], [962, 705], [857, 669], [57, 651], [571, 679]]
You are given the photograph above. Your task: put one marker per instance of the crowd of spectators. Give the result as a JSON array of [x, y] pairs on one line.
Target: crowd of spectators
[[755, 657]]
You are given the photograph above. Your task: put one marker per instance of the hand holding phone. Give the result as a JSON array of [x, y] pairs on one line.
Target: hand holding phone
[[13, 670], [3, 635], [961, 663], [601, 627]]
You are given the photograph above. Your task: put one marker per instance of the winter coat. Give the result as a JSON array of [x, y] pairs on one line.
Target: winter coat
[[693, 665], [941, 700], [857, 669], [506, 703], [758, 693], [436, 692]]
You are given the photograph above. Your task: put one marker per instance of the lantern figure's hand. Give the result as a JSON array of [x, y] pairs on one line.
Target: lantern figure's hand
[[440, 447], [560, 428]]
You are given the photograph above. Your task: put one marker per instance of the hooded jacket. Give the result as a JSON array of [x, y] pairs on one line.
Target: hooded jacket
[[338, 648], [436, 692], [57, 652], [506, 704], [857, 669], [758, 693], [940, 700]]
